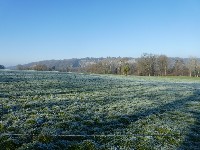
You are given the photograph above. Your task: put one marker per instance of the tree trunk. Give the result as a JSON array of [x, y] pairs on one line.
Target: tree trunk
[[165, 71], [190, 74]]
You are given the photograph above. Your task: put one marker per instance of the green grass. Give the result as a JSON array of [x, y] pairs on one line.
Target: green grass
[[181, 77]]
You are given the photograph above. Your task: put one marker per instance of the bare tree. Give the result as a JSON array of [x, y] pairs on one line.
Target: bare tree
[[196, 70], [179, 67], [192, 66], [162, 61], [20, 67], [40, 67]]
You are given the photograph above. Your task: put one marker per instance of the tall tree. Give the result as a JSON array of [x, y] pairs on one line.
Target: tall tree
[[198, 69], [179, 67], [126, 69], [146, 64], [162, 64], [192, 66]]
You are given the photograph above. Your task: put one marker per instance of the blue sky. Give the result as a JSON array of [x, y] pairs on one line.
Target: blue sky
[[32, 30]]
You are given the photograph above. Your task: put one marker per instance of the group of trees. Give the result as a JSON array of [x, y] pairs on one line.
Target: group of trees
[[146, 65], [149, 65], [153, 65], [38, 67], [161, 65]]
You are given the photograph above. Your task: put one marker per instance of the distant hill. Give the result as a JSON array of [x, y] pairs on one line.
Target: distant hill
[[71, 63], [59, 64], [81, 62]]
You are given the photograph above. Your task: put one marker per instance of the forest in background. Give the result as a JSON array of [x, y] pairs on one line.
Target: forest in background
[[146, 65]]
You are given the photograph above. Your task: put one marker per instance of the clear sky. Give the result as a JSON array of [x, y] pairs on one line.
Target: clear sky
[[32, 30]]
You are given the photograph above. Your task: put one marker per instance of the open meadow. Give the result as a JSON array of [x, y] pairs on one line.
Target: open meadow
[[53, 110]]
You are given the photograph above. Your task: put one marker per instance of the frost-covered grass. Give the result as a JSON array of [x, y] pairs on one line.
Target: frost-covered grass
[[101, 111]]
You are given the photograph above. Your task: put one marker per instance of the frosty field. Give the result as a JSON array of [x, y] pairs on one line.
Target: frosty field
[[52, 110]]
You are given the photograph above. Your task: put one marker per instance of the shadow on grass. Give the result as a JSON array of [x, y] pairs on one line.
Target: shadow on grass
[[192, 139], [172, 106]]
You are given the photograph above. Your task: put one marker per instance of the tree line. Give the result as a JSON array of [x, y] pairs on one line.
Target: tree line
[[146, 65], [149, 65]]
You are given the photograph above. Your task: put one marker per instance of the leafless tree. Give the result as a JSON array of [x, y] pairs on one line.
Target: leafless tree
[[162, 61], [192, 66], [179, 67]]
